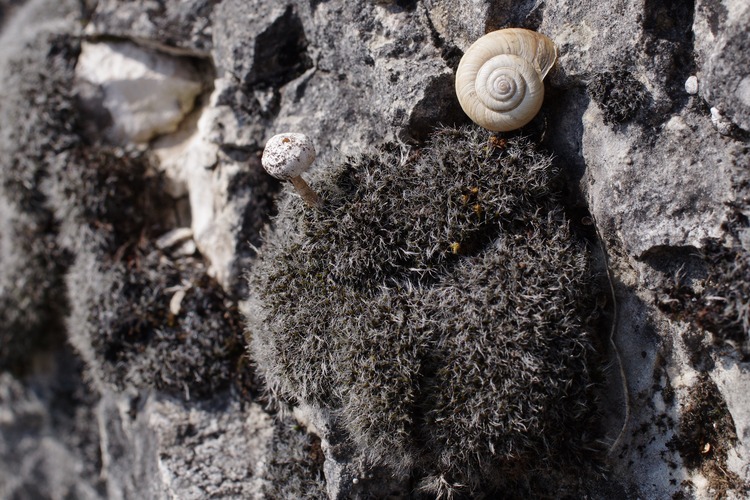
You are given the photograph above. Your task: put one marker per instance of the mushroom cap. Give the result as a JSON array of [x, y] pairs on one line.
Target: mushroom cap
[[288, 155]]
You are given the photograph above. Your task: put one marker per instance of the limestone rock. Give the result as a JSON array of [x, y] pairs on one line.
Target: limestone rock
[[647, 177], [179, 27], [656, 165], [722, 60]]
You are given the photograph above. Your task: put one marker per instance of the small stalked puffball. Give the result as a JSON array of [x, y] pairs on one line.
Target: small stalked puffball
[[286, 157]]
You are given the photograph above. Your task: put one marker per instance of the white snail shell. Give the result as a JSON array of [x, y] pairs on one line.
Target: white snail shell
[[499, 79]]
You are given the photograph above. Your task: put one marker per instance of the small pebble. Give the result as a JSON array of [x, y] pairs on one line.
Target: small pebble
[[691, 85], [176, 302], [174, 237]]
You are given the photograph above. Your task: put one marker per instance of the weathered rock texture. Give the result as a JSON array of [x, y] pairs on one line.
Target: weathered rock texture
[[127, 223]]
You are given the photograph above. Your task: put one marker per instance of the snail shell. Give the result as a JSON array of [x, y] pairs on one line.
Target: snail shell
[[499, 79]]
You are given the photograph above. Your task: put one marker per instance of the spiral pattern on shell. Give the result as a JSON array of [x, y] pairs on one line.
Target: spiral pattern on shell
[[499, 79]]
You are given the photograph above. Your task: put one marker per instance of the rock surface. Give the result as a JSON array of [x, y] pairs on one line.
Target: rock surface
[[658, 166]]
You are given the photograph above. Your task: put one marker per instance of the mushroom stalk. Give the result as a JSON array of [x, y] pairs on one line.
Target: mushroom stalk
[[303, 188]]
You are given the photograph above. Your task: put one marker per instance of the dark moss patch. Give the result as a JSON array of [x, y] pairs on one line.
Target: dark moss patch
[[122, 309], [113, 206], [113, 192], [706, 434], [721, 307], [295, 468], [726, 311], [437, 306], [619, 95]]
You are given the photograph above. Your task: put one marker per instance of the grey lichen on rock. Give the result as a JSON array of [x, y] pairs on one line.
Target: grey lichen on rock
[[437, 304]]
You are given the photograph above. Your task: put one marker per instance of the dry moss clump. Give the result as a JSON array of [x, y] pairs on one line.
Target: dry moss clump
[[619, 95], [436, 305]]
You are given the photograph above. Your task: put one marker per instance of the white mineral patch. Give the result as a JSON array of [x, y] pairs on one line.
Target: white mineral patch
[[146, 93], [190, 162], [185, 151]]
